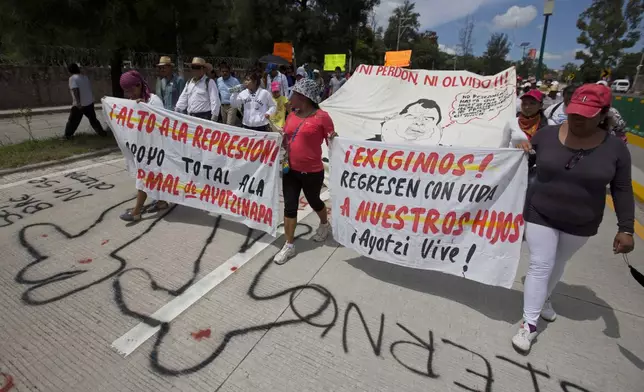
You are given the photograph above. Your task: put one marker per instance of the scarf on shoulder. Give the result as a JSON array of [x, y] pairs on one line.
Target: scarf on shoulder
[[529, 125]]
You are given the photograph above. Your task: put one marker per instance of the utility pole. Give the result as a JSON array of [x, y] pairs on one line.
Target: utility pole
[[400, 32], [178, 38], [547, 11], [523, 46]]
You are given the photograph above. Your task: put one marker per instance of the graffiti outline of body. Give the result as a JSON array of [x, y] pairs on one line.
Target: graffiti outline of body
[[418, 123]]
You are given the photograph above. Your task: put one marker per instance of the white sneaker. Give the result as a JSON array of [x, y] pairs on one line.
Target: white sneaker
[[322, 232], [285, 254], [548, 313], [522, 341]]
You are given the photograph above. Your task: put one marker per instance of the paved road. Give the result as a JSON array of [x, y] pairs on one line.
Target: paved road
[[75, 280], [13, 130]]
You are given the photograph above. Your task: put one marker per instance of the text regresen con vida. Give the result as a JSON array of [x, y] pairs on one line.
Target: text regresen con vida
[[220, 142], [412, 76]]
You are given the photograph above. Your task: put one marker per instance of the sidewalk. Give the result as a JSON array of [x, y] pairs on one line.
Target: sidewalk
[[38, 111]]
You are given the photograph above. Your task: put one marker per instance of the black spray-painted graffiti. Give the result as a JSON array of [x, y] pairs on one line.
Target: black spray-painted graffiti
[[16, 208], [426, 348]]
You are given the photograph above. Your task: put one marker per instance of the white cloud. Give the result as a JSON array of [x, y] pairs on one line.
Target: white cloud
[[446, 49], [433, 13], [540, 27], [515, 17]]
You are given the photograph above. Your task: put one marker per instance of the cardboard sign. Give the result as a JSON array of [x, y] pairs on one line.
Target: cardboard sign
[[334, 60], [401, 58], [283, 50]]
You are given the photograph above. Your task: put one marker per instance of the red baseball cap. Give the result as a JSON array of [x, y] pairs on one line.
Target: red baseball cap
[[589, 99], [534, 94]]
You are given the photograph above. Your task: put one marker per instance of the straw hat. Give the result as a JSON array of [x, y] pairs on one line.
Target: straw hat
[[198, 61], [165, 60]]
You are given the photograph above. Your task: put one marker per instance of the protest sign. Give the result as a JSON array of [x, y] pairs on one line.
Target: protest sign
[[401, 58], [198, 163], [455, 210], [283, 50], [334, 60]]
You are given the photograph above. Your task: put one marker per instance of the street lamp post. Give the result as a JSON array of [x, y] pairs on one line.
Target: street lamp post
[[523, 46], [401, 30], [547, 11]]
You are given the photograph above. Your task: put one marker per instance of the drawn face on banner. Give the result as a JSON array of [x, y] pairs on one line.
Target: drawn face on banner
[[417, 123]]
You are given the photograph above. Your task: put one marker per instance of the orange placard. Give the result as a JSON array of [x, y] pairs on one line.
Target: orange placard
[[283, 50], [400, 58]]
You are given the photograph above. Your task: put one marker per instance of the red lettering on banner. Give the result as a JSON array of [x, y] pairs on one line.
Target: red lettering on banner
[[129, 119], [165, 127], [183, 133], [207, 132], [152, 122], [244, 207], [196, 139], [142, 116], [214, 139]]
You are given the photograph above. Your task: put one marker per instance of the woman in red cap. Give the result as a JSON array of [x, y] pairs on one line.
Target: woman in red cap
[[575, 161], [531, 118]]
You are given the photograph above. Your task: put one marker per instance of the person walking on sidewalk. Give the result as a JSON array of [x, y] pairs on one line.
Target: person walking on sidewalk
[[169, 85], [83, 103], [306, 128], [200, 98], [224, 84], [135, 88], [565, 205]]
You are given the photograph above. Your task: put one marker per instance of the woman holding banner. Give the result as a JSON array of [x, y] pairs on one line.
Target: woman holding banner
[[135, 87], [257, 103], [306, 128], [575, 162]]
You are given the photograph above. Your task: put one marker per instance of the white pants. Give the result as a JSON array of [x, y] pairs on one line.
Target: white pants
[[550, 249]]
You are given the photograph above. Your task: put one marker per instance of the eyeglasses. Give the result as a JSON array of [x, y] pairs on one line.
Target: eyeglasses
[[574, 160], [196, 67]]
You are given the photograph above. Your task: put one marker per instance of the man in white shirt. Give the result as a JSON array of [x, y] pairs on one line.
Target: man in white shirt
[[556, 114], [83, 103], [200, 98], [274, 75], [336, 81]]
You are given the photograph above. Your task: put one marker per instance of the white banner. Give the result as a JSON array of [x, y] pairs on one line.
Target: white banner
[[455, 210], [198, 163]]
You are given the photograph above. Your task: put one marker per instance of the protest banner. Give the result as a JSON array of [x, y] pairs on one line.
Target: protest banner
[[455, 210], [334, 60], [401, 58], [198, 163]]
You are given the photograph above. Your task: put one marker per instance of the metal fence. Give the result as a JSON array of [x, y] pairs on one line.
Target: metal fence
[[65, 55]]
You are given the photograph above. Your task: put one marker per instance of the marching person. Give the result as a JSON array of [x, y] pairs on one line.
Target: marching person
[[225, 82], [281, 106], [258, 104], [337, 81], [530, 119], [169, 84], [273, 75], [556, 114], [135, 88], [307, 127], [83, 103], [200, 98], [575, 162]]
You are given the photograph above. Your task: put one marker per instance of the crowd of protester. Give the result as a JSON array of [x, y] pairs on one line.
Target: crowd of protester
[[573, 136]]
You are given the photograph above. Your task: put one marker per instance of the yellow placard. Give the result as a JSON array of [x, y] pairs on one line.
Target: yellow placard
[[334, 60], [283, 50], [400, 58]]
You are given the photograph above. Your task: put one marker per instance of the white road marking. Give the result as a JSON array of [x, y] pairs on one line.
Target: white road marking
[[61, 173], [129, 342]]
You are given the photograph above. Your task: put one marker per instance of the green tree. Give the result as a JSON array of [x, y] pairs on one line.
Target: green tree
[[526, 67], [607, 28], [403, 22], [627, 66], [425, 53], [498, 48]]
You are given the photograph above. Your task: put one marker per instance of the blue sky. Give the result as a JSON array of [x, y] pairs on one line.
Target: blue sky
[[522, 20]]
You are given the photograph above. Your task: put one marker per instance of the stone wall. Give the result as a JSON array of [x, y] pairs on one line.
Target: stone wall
[[44, 86]]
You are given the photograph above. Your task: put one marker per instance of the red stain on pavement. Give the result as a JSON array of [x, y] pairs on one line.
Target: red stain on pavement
[[84, 261], [204, 333], [105, 242], [233, 269], [8, 383], [43, 236]]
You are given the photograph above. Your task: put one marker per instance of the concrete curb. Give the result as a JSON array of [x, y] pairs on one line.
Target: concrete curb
[[42, 165], [40, 111]]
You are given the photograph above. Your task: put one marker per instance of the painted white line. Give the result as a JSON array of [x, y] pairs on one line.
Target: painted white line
[[61, 173], [135, 337]]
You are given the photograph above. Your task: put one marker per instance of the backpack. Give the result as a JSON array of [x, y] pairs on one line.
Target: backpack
[[554, 109]]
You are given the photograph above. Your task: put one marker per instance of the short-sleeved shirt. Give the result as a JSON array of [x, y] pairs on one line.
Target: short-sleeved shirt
[[81, 82], [279, 118], [305, 149]]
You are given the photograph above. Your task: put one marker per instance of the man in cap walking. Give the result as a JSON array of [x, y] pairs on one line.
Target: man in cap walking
[[169, 84], [200, 98], [274, 75]]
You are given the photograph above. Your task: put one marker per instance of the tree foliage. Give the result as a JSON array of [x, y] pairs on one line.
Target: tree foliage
[[404, 19], [498, 48], [607, 28]]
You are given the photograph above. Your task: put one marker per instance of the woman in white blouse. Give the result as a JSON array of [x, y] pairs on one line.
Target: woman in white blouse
[[257, 103]]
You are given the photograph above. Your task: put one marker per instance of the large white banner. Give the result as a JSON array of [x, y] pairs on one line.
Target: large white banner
[[198, 163], [455, 210]]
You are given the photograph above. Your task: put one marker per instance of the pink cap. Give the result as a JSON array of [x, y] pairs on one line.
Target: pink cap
[[589, 99], [275, 86], [534, 94]]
